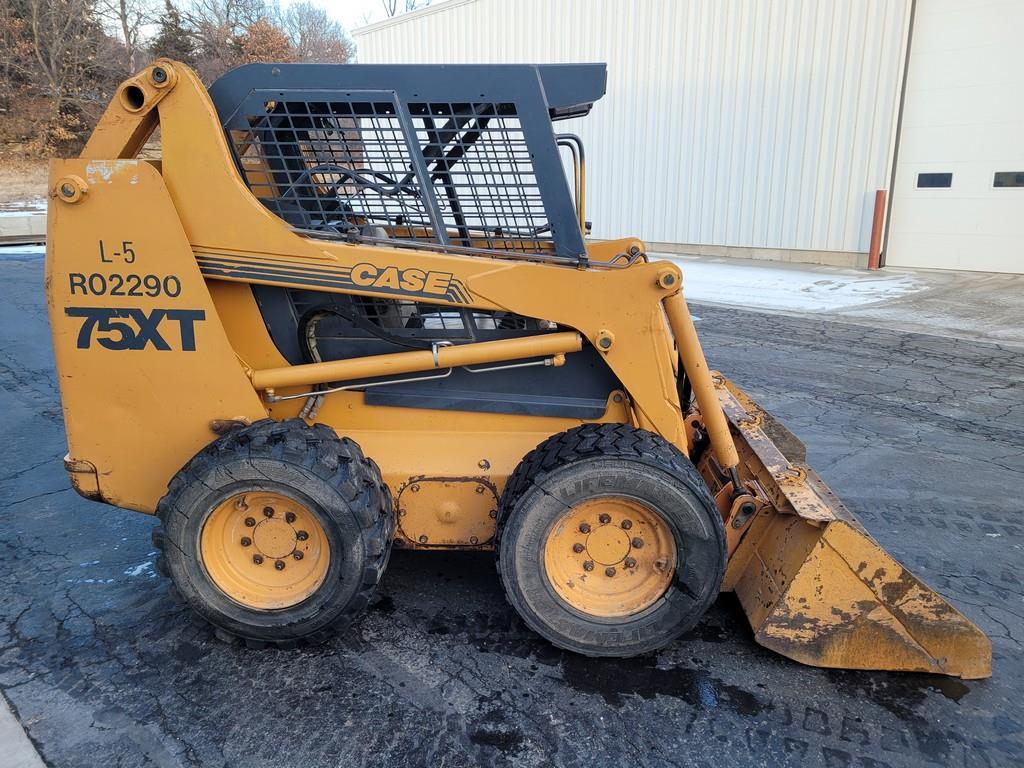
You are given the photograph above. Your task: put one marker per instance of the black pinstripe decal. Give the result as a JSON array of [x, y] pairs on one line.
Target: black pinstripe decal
[[222, 265]]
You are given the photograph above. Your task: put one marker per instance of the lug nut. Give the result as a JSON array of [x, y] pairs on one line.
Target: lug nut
[[637, 542], [577, 548], [289, 517], [301, 535], [630, 562], [268, 511], [249, 522], [423, 539], [605, 519], [414, 487], [484, 464], [297, 555], [659, 565], [627, 524], [258, 559], [246, 541], [494, 514], [584, 527], [609, 571], [588, 565], [480, 489], [279, 564]]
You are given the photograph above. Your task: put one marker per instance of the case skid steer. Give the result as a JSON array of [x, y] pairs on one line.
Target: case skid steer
[[353, 307]]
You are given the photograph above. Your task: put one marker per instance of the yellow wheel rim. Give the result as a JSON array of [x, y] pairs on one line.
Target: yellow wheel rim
[[610, 557], [264, 550]]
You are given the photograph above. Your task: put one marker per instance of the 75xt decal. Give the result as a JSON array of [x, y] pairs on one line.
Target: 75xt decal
[[131, 328]]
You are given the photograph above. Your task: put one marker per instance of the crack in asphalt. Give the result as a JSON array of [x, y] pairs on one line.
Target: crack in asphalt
[[33, 497]]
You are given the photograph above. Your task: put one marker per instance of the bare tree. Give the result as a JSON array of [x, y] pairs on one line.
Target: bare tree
[[233, 14], [55, 56], [216, 24], [129, 17], [398, 7], [314, 35], [66, 47]]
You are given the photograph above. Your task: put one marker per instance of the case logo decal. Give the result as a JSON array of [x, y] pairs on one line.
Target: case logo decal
[[406, 280]]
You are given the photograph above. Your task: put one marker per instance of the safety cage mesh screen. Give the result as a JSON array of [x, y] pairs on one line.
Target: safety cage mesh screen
[[350, 165]]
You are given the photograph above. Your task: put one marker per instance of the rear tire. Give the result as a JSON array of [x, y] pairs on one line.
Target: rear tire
[[609, 543], [277, 532]]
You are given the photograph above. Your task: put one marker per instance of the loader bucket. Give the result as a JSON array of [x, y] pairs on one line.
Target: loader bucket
[[814, 585]]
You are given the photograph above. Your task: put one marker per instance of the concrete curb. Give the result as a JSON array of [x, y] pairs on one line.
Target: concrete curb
[[17, 223], [22, 226], [18, 751]]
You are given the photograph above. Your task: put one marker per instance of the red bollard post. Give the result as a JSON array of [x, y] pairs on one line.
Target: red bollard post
[[875, 254]]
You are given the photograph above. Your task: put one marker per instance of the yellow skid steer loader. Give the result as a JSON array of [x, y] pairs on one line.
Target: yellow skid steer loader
[[353, 307]]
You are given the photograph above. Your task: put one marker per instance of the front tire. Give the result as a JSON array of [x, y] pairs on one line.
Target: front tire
[[609, 543], [277, 532]]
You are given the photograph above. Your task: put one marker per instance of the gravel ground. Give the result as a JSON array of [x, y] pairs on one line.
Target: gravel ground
[[922, 436]]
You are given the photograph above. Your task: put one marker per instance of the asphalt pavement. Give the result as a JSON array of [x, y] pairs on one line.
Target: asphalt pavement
[[922, 436]]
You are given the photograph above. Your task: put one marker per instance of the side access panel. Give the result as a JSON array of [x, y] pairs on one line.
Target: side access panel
[[143, 363]]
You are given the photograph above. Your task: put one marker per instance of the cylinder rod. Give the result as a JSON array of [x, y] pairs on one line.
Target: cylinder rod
[[697, 372], [542, 345]]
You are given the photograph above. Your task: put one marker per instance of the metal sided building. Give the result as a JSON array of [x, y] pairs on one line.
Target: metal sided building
[[764, 128]]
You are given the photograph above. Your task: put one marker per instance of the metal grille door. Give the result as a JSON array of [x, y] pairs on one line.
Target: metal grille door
[[351, 166]]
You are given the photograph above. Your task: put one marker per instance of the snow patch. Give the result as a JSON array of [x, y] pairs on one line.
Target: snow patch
[[139, 569], [788, 287], [20, 251], [23, 213], [23, 207]]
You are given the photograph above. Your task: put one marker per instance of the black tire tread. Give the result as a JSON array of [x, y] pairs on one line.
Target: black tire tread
[[317, 448], [604, 440], [590, 441]]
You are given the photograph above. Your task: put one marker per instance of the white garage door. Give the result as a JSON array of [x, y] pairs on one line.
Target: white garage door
[[958, 198]]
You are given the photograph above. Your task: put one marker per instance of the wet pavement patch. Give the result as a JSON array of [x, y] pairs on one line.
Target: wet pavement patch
[[615, 679]]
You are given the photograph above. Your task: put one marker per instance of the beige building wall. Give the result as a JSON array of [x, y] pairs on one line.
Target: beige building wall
[[754, 127]]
